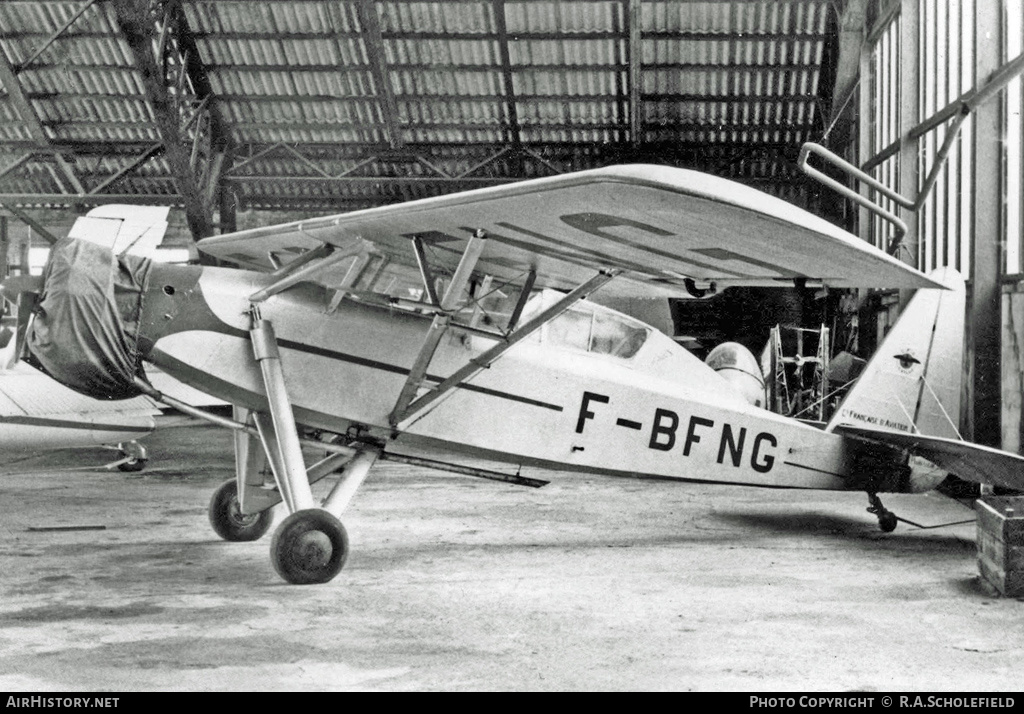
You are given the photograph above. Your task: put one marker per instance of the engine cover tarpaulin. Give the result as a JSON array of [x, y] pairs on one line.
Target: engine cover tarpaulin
[[85, 332]]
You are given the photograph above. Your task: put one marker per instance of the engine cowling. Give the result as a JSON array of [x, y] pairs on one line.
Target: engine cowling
[[737, 365]]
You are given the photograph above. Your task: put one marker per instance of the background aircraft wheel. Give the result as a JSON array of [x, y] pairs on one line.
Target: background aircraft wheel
[[229, 522], [134, 455], [887, 522], [132, 464], [310, 546]]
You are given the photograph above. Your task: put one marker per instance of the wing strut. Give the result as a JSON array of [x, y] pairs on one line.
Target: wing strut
[[403, 413], [311, 264], [442, 319]]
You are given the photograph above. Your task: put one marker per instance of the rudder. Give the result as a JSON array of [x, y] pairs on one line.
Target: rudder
[[912, 382]]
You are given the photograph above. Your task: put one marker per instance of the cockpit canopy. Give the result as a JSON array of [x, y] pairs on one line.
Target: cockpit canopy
[[589, 328]]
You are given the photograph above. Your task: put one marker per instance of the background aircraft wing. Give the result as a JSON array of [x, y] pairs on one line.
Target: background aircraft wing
[[971, 462], [659, 225], [37, 412]]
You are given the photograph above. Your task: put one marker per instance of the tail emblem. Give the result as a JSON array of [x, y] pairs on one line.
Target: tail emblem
[[907, 360]]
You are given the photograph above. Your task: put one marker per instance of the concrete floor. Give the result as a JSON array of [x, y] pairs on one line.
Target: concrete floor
[[460, 584]]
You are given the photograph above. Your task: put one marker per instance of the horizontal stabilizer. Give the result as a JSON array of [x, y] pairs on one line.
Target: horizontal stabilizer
[[971, 462]]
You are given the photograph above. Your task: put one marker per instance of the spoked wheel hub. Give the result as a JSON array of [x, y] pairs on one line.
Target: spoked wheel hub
[[310, 546], [227, 518]]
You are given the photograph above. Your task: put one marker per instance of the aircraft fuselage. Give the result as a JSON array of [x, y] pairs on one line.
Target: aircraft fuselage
[[661, 414]]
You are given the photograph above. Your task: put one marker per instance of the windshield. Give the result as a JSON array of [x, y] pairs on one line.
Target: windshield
[[587, 328]]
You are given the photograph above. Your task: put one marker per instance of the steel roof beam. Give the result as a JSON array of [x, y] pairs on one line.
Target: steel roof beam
[[432, 152], [243, 128], [124, 171], [23, 107], [850, 30], [71, 199], [635, 71], [419, 66], [598, 98], [501, 28], [313, 68], [520, 36], [53, 37], [138, 25], [31, 223], [374, 43], [16, 164]]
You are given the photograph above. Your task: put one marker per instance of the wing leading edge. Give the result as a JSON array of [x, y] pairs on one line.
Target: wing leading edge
[[661, 226], [971, 462]]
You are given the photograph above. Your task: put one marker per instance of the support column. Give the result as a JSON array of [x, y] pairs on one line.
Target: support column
[[983, 338], [909, 117], [4, 247]]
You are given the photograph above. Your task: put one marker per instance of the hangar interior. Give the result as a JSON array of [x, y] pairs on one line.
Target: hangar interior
[[240, 114]]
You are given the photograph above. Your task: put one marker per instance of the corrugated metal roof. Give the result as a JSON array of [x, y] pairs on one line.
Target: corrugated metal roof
[[450, 84]]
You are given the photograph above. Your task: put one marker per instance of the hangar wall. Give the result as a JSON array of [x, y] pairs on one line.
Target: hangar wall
[[941, 126], [1013, 366]]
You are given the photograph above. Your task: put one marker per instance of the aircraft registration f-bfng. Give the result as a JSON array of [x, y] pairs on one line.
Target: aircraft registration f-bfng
[[319, 333]]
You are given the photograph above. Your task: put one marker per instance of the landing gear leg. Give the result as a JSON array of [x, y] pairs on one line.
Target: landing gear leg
[[886, 519], [310, 545]]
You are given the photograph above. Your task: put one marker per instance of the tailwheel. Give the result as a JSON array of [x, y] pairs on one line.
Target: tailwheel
[[886, 519], [227, 518], [134, 457], [310, 546]]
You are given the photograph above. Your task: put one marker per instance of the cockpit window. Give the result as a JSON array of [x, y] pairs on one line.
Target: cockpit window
[[596, 332], [613, 336], [588, 328], [570, 329]]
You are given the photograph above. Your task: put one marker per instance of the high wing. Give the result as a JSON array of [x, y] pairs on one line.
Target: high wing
[[971, 462], [661, 226]]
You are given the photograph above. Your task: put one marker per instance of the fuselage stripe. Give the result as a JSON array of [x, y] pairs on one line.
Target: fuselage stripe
[[811, 468], [374, 364]]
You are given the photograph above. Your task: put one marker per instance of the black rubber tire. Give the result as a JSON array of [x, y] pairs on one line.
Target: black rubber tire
[[133, 465], [310, 546], [887, 522], [227, 520]]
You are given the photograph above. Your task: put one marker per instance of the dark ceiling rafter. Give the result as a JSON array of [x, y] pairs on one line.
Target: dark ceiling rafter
[[32, 223], [55, 35], [505, 60], [790, 37], [717, 98], [314, 68], [850, 29], [374, 43], [23, 108], [172, 74], [635, 56]]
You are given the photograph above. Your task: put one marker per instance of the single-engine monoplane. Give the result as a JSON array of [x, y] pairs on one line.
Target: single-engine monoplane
[[467, 324]]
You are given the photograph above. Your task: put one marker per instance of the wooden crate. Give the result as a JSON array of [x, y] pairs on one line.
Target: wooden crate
[[1000, 522]]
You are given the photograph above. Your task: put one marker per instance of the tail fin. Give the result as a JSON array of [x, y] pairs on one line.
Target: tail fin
[[912, 383], [136, 230]]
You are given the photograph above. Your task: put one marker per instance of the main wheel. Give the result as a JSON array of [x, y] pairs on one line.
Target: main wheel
[[227, 518], [310, 546]]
